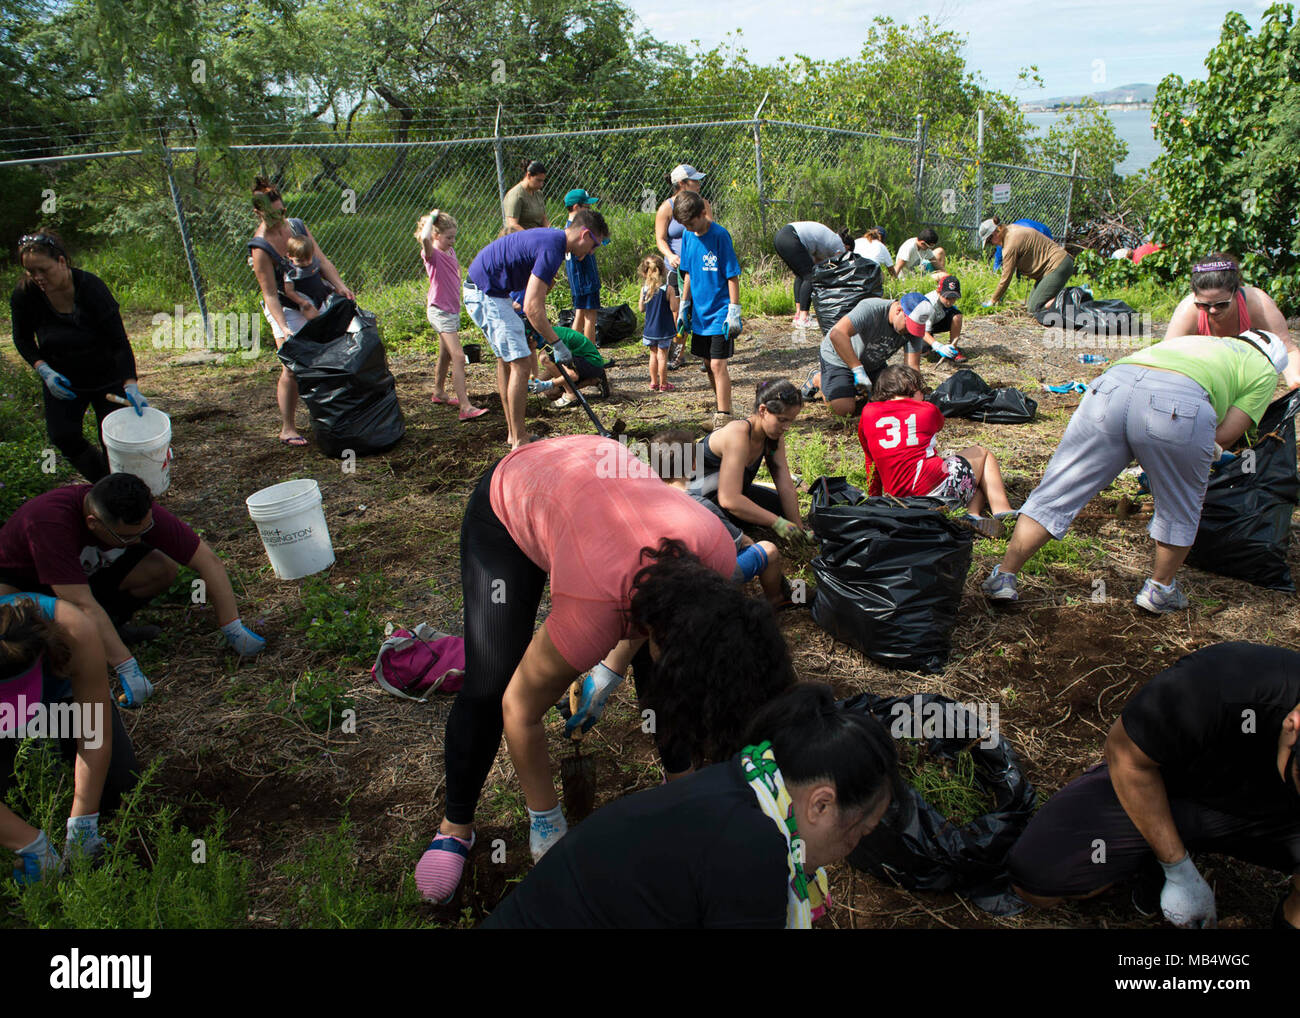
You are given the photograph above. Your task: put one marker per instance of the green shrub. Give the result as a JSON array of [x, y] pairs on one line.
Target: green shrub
[[339, 618], [319, 697]]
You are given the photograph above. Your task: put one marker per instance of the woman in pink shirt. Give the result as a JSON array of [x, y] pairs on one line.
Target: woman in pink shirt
[[437, 233], [627, 557]]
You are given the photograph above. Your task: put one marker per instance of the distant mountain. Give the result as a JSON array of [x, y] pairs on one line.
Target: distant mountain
[[1140, 93]]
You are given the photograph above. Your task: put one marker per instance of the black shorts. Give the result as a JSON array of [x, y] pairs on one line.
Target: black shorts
[[713, 348], [585, 369], [1057, 856], [103, 585], [837, 382]]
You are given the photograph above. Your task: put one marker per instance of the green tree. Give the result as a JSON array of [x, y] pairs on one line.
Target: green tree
[[1227, 172]]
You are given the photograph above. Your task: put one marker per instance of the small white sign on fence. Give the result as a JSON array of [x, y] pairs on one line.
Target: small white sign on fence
[[1001, 194]]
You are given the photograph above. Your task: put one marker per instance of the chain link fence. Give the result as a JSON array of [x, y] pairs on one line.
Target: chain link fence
[[362, 198]]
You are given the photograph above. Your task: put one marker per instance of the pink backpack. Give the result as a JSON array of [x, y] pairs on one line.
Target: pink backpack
[[424, 661]]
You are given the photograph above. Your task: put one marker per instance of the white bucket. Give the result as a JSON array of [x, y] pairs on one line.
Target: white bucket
[[292, 526], [141, 445]]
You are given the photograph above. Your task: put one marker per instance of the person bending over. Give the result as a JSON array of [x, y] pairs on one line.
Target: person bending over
[[920, 253], [931, 314], [855, 351], [1028, 252]]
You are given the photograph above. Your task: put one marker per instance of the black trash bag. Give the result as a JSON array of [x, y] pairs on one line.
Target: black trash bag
[[343, 378], [1246, 518], [840, 284], [917, 847], [613, 324], [1074, 309], [965, 394], [889, 574]]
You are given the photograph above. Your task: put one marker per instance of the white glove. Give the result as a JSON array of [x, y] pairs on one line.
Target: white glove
[[860, 377], [1186, 899]]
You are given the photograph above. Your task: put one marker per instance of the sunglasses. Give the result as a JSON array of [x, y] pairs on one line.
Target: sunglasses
[[133, 539], [599, 242], [1215, 307]]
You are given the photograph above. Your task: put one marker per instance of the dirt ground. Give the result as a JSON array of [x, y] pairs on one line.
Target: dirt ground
[[1060, 664]]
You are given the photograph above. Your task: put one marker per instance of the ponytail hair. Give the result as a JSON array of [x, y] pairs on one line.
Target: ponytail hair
[[26, 634], [652, 271], [777, 394], [815, 740]]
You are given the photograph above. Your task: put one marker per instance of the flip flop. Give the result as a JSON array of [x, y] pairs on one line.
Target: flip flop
[[297, 442], [470, 415], [449, 401]]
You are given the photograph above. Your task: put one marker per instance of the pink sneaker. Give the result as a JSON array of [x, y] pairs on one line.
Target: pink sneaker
[[438, 873]]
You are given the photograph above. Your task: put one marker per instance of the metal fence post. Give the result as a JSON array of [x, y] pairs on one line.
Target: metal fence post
[[979, 180], [1069, 197], [758, 166], [501, 177], [920, 162], [186, 243]]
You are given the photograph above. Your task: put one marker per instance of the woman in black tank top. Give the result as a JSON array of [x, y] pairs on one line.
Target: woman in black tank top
[[730, 457]]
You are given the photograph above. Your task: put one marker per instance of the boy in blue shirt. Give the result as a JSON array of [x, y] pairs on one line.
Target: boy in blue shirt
[[710, 307], [584, 276]]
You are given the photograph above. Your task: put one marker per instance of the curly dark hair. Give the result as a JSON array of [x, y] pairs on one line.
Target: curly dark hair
[[721, 654]]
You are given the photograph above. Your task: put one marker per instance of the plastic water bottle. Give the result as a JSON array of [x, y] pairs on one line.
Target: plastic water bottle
[[1093, 358]]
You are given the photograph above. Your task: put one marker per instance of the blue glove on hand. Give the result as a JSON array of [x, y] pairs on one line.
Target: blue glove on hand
[[733, 320], [137, 401], [987, 304], [596, 687], [56, 383], [84, 838], [860, 378], [244, 640], [946, 350], [136, 689], [36, 861]]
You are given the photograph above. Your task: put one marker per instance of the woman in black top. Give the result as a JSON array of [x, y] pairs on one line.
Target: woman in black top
[[67, 326]]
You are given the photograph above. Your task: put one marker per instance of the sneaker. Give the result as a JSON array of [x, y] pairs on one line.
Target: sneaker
[[132, 634], [809, 390], [1000, 586], [438, 873], [1159, 599], [720, 420], [654, 386]]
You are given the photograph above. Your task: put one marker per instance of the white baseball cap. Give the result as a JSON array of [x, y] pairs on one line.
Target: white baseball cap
[[987, 229], [1271, 345], [684, 172]]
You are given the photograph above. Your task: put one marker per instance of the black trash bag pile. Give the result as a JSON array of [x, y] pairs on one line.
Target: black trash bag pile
[[889, 574], [1245, 527], [840, 284], [965, 394], [917, 847], [1074, 309], [343, 377], [613, 324]]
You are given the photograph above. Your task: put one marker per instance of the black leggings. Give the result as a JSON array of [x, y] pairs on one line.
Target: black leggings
[[502, 589], [796, 256], [63, 419], [123, 770]]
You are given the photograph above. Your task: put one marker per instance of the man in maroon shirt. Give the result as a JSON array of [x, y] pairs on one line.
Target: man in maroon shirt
[[107, 549]]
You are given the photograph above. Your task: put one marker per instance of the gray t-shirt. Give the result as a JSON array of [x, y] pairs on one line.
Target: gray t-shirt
[[821, 242], [874, 339]]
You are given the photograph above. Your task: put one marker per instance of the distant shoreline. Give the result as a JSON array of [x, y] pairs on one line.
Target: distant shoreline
[[1070, 107]]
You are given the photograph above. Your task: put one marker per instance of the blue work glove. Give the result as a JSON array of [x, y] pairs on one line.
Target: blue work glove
[[560, 352], [84, 838], [987, 304], [733, 321], [537, 386], [597, 684], [684, 318], [56, 383], [137, 401], [36, 861], [1186, 899], [946, 350], [244, 640], [136, 689]]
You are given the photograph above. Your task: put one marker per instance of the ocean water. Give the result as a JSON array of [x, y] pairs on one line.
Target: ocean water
[[1133, 127]]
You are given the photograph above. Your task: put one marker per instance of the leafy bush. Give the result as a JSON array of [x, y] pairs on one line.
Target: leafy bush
[[23, 442], [319, 698], [339, 618]]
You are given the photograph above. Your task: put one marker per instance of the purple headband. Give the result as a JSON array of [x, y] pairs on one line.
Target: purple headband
[[1221, 266]]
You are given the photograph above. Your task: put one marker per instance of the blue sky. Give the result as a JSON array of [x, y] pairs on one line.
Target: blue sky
[[1135, 40]]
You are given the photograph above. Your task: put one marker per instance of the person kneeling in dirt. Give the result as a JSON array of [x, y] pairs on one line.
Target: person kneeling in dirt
[[1029, 253], [584, 366], [855, 351], [109, 549], [627, 558], [898, 429], [1203, 758], [42, 638], [740, 844], [1173, 406]]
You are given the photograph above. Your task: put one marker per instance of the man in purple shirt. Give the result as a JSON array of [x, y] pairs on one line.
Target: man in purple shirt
[[526, 260]]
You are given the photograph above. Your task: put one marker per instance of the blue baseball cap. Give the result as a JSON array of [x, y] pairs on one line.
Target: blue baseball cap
[[578, 196]]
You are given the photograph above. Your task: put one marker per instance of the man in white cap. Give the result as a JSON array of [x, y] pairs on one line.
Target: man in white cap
[[1033, 255]]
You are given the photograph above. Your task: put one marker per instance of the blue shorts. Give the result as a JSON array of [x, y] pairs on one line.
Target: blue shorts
[[586, 301], [663, 344], [499, 321]]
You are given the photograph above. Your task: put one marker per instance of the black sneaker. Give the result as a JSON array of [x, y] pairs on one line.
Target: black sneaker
[[132, 635]]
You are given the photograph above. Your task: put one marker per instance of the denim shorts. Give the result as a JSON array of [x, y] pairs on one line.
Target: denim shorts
[[1161, 418], [443, 321], [496, 317]]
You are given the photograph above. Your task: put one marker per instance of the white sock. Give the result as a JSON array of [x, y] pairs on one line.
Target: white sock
[[544, 830]]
